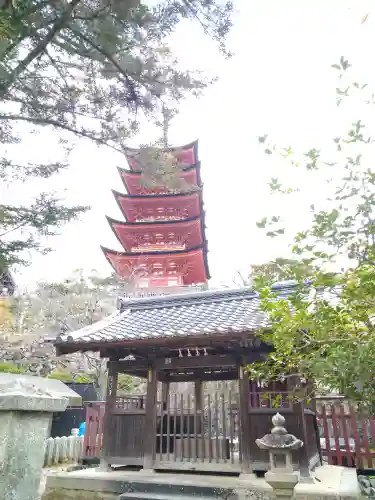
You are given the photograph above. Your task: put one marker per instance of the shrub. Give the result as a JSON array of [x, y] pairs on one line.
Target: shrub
[[11, 368]]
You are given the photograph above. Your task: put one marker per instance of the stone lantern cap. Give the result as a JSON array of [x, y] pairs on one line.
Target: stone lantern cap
[[28, 393], [279, 439]]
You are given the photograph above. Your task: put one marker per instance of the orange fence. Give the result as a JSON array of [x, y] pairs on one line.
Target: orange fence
[[347, 435], [92, 443]]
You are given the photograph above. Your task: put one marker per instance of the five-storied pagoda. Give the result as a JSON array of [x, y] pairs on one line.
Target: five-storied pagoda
[[163, 235], [166, 336]]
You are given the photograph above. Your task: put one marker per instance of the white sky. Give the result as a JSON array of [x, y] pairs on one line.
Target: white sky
[[279, 82]]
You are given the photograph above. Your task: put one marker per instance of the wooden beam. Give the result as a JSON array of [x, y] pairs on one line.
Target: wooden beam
[[230, 346], [210, 361], [131, 365], [204, 377]]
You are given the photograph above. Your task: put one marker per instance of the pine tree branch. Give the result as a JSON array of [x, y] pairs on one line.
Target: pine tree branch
[[39, 48], [104, 53], [31, 31], [126, 74], [95, 14], [15, 228], [82, 133]]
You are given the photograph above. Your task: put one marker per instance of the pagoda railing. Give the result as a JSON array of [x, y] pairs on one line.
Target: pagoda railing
[[163, 290], [156, 218]]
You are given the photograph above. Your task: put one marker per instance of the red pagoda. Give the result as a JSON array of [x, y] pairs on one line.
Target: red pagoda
[[163, 235]]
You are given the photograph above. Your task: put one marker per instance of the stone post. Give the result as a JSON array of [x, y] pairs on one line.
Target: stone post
[[26, 407], [279, 445]]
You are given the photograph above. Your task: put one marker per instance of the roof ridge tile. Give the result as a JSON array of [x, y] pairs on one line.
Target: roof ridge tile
[[189, 298]]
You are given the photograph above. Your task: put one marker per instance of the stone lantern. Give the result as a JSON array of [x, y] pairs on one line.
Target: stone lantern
[[280, 445], [26, 407]]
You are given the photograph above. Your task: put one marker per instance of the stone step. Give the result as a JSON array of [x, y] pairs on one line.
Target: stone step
[[179, 487], [162, 496]]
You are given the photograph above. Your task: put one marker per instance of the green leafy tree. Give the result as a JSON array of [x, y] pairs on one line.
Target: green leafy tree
[[89, 69], [268, 273], [325, 332], [128, 384], [278, 270]]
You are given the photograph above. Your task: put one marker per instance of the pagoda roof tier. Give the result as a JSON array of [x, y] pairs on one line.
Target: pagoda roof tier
[[159, 235], [159, 206], [133, 180], [190, 264], [188, 155]]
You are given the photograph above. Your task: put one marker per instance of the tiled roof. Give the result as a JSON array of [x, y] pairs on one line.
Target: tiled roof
[[195, 314]]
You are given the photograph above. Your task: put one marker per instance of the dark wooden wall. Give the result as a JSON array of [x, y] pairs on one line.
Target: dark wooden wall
[[136, 433]]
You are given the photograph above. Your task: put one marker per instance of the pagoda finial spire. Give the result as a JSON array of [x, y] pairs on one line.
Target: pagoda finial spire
[[168, 114], [166, 119]]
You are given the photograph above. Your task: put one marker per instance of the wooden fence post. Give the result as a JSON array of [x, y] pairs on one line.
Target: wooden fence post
[[150, 422], [245, 445]]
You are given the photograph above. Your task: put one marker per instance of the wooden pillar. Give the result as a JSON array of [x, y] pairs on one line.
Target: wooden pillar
[[304, 465], [244, 434], [110, 404], [150, 422], [165, 394], [198, 386], [299, 411]]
